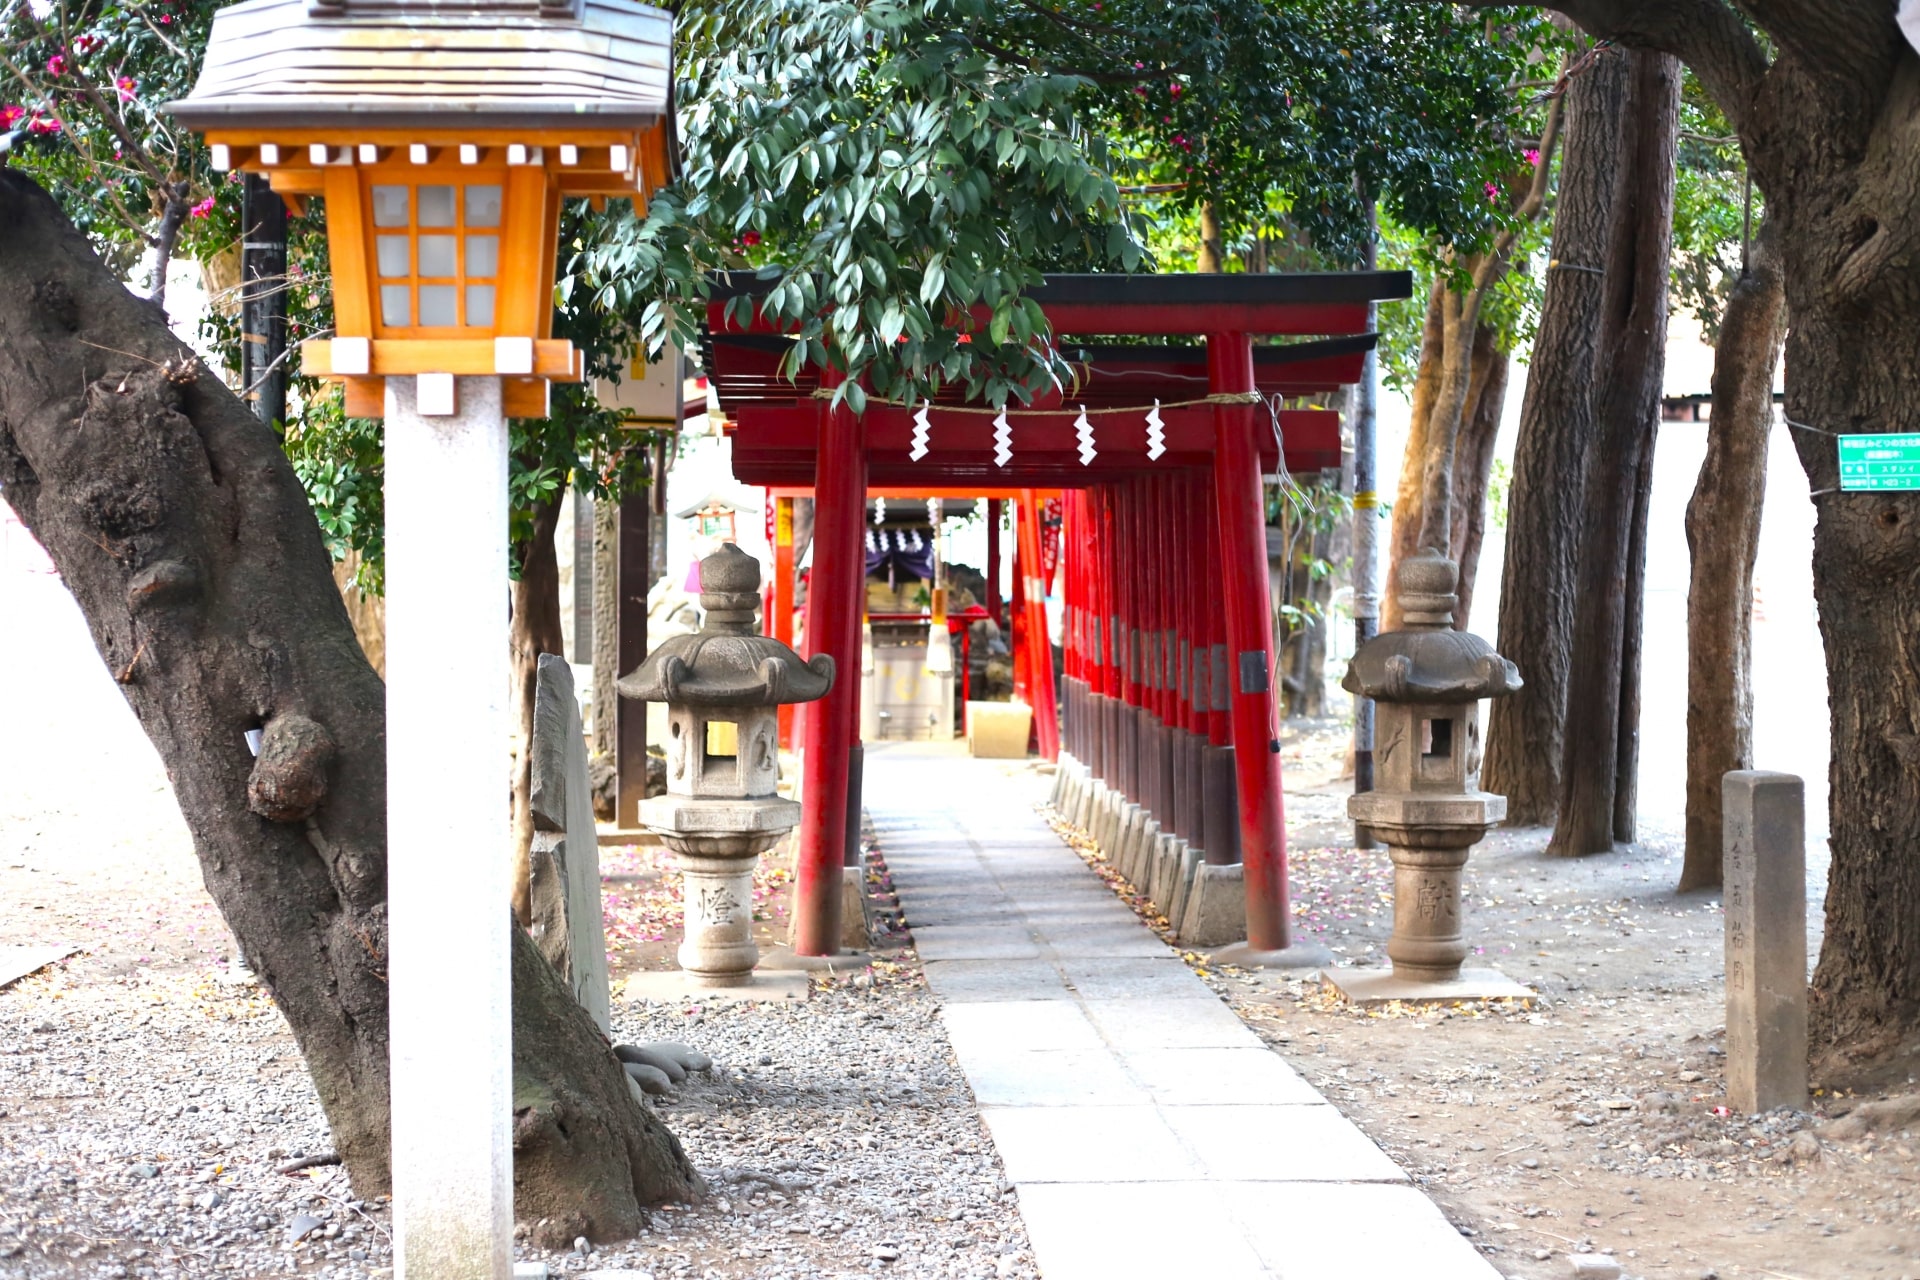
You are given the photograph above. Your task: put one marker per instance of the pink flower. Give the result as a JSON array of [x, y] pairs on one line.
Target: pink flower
[[202, 209], [10, 116], [43, 124], [1493, 191], [1533, 156], [750, 239], [57, 64], [86, 44], [126, 86], [1176, 88]]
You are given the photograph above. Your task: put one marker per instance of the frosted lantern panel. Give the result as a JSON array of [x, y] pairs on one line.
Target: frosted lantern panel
[[390, 206], [483, 209], [437, 257], [436, 206], [480, 305], [396, 305], [483, 257], [437, 306], [394, 252]]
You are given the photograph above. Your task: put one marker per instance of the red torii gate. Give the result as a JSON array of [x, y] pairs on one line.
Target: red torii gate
[[1169, 629]]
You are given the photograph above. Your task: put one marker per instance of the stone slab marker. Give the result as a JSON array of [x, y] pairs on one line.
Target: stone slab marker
[[1765, 870], [568, 925]]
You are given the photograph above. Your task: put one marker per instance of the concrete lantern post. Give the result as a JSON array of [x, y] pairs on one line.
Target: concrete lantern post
[[1426, 680], [723, 686]]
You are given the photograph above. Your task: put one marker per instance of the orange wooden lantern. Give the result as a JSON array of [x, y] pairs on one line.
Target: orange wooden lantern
[[442, 138]]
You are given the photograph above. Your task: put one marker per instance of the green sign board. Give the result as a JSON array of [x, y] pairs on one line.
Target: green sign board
[[1880, 462]]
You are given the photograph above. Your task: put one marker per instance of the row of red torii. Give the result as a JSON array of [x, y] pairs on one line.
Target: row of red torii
[[1158, 452]]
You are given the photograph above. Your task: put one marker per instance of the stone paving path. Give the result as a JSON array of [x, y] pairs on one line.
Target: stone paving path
[[1148, 1130]]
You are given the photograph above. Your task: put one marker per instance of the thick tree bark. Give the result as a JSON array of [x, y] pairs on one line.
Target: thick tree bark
[[184, 536], [534, 630], [1633, 345], [1723, 534], [1525, 730]]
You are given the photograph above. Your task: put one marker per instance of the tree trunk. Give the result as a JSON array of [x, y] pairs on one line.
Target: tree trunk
[[1525, 730], [1473, 464], [1212, 255], [1471, 446], [1633, 345], [533, 630], [184, 536], [1723, 535], [1409, 498], [1626, 747]]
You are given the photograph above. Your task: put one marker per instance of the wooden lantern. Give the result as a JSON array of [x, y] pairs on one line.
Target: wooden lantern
[[442, 138]]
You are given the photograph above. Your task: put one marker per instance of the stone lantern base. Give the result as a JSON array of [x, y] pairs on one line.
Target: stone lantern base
[[717, 843], [1428, 838]]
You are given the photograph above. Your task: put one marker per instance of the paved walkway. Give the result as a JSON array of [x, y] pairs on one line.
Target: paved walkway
[[1149, 1131]]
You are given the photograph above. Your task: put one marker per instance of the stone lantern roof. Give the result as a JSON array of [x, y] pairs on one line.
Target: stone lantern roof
[[1427, 660], [727, 663]]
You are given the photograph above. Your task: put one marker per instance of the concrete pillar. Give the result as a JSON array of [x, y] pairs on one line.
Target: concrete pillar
[[1765, 870], [449, 842]]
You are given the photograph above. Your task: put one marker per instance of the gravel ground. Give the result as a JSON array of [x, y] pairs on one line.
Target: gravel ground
[[152, 1093]]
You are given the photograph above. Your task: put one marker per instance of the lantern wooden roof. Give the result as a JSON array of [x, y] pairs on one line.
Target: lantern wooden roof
[[480, 64], [297, 85]]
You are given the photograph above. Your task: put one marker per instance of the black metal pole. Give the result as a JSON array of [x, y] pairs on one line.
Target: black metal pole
[[263, 300]]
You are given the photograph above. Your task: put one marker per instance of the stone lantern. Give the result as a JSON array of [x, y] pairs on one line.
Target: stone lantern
[[723, 686], [1427, 680]]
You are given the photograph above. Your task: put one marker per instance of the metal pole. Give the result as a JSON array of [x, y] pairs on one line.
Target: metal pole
[[449, 876], [263, 300], [839, 568], [1243, 578], [1366, 548]]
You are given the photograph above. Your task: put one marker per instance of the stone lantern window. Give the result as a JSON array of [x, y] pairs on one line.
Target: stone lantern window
[[723, 686]]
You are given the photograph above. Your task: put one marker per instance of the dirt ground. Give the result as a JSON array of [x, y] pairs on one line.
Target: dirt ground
[[1593, 1118]]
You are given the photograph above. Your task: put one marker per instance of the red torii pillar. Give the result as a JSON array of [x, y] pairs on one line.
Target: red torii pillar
[[833, 627], [1241, 513]]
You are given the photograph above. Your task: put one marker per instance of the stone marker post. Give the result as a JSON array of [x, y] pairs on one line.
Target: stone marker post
[[1765, 869], [568, 924]]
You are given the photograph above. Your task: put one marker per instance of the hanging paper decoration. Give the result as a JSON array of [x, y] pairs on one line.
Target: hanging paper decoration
[[1156, 434], [1084, 429], [921, 426], [1002, 440], [879, 510]]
